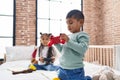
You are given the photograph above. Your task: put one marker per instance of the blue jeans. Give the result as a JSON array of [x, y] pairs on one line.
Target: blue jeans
[[49, 67], [74, 74]]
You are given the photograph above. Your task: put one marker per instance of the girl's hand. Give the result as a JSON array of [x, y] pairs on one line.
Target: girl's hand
[[64, 37], [53, 59], [34, 61], [41, 59]]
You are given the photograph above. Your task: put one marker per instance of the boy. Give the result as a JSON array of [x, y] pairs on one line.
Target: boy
[[71, 60]]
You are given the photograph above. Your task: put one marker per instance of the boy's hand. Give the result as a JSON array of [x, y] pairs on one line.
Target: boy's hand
[[55, 40], [64, 37]]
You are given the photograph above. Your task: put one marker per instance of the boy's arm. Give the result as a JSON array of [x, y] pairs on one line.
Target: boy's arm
[[59, 47], [81, 45]]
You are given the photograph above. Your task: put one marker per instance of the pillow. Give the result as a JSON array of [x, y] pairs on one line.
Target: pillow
[[19, 53]]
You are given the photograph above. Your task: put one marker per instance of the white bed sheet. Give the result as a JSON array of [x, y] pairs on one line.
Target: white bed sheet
[[7, 68], [92, 69], [6, 74]]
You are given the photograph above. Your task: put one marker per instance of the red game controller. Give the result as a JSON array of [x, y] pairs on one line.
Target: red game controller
[[55, 40]]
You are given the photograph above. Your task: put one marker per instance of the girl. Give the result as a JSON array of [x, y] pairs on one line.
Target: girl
[[43, 57]]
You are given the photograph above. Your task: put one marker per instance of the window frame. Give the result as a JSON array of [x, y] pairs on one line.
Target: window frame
[[37, 38], [13, 22]]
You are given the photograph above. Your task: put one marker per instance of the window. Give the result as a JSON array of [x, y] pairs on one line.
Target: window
[[51, 15], [6, 23]]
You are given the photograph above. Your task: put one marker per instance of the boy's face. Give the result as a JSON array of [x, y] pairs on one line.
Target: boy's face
[[45, 39], [74, 24]]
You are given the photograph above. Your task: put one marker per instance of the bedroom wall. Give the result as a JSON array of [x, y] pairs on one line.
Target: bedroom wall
[[103, 24], [25, 22], [102, 21]]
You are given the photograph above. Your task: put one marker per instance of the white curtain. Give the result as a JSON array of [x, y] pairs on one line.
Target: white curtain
[[117, 57]]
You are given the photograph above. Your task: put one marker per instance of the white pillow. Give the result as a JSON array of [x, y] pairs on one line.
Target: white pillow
[[19, 53]]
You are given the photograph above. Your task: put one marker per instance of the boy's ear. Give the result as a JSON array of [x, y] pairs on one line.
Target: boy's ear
[[81, 21]]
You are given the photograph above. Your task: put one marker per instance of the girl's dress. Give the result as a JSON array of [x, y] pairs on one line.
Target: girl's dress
[[44, 52]]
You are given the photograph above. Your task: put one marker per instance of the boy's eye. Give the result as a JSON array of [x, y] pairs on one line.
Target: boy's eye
[[46, 39], [71, 23]]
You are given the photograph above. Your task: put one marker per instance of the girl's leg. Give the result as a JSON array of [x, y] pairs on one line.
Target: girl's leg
[[55, 67], [24, 71], [51, 67], [29, 70], [40, 67]]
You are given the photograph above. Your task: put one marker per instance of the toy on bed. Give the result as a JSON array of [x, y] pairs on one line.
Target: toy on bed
[[55, 40], [56, 78], [106, 74]]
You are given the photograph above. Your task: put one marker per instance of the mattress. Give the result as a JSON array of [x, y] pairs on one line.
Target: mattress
[[7, 68]]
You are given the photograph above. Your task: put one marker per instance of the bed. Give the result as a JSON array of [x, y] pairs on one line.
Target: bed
[[15, 61], [7, 68], [6, 71]]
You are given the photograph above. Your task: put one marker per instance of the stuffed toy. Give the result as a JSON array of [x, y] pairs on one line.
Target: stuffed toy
[[55, 40], [106, 74]]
